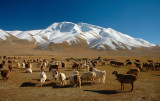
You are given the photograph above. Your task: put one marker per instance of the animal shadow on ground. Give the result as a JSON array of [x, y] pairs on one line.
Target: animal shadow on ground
[[108, 92], [155, 74], [39, 79], [87, 83], [69, 70], [28, 84], [54, 85]]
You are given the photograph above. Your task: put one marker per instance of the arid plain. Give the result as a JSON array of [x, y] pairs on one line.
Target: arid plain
[[23, 86]]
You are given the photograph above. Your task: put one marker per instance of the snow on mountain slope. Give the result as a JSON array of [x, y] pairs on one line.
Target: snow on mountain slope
[[95, 36], [14, 33], [3, 35]]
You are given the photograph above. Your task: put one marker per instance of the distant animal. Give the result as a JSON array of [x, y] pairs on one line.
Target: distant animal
[[53, 67], [128, 63], [137, 60], [5, 74], [1, 66], [76, 66], [134, 71], [10, 67]]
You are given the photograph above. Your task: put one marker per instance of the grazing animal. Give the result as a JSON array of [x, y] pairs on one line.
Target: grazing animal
[[75, 80], [134, 71], [3, 62], [128, 63], [43, 77], [55, 75], [75, 66], [23, 65], [28, 67], [126, 78], [1, 66], [137, 60], [62, 79], [100, 75], [5, 74], [88, 76], [63, 64], [53, 67], [10, 68], [103, 63], [18, 65], [59, 76]]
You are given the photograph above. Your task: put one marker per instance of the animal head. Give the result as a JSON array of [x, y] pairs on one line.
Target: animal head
[[114, 72]]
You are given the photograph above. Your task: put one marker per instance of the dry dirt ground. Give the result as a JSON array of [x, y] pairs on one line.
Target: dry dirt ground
[[23, 86]]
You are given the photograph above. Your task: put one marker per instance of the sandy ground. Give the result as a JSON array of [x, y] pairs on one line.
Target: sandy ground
[[23, 86]]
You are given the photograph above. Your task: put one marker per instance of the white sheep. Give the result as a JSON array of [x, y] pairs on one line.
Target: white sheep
[[88, 76], [59, 76], [23, 65], [100, 75], [18, 65], [62, 79], [43, 77]]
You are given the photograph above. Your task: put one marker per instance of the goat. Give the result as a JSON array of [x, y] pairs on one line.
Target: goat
[[126, 78]]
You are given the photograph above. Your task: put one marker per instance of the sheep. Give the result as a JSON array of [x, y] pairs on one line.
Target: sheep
[[55, 75], [43, 77], [59, 76], [44, 65], [100, 75], [88, 76], [75, 80], [134, 71], [125, 78], [29, 68], [62, 79], [5, 74], [23, 65], [18, 65]]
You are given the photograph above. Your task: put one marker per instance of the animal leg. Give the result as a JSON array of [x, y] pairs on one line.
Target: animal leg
[[132, 87], [121, 86]]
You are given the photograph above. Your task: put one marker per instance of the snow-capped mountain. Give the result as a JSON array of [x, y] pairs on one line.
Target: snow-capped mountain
[[71, 33]]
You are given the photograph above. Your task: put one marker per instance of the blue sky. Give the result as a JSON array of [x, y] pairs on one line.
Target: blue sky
[[137, 18]]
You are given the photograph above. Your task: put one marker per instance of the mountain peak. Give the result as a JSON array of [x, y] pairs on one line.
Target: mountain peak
[[68, 32]]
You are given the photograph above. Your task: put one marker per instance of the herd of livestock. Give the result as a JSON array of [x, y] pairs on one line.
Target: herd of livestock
[[91, 74]]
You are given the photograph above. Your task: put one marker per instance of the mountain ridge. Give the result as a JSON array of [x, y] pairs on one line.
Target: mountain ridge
[[96, 37]]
